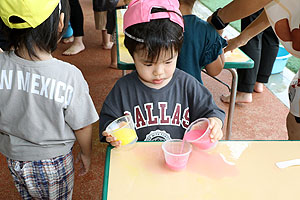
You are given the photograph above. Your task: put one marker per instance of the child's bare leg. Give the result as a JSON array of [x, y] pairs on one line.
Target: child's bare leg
[[1, 50], [76, 47], [113, 53], [259, 87], [241, 97], [107, 44]]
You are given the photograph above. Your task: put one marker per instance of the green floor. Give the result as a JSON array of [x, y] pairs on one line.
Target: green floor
[[293, 63]]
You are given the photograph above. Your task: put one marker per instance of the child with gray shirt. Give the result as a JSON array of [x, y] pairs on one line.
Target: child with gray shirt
[[44, 102], [162, 100]]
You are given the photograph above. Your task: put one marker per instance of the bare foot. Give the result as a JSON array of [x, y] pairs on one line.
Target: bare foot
[[68, 40], [241, 97], [76, 47], [107, 46], [259, 87]]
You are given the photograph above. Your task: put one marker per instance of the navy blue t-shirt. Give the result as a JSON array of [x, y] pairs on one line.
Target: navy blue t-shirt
[[201, 45], [159, 114]]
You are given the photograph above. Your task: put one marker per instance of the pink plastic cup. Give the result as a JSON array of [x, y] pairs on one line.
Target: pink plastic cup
[[176, 153], [198, 133]]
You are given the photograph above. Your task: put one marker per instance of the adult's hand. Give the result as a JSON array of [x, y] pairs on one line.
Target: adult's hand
[[234, 43], [257, 26]]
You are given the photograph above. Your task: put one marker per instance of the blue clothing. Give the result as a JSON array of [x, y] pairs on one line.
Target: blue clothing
[[201, 45], [69, 31]]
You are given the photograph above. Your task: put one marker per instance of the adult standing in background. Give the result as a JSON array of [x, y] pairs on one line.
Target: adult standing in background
[[110, 6], [76, 19], [284, 17], [100, 18], [262, 49]]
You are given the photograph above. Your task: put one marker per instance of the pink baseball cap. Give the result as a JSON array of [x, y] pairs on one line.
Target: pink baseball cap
[[139, 11]]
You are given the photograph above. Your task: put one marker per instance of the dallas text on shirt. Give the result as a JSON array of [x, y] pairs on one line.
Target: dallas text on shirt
[[163, 118]]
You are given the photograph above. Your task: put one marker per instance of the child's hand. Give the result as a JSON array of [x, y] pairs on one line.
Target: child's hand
[[112, 140], [216, 132], [85, 162]]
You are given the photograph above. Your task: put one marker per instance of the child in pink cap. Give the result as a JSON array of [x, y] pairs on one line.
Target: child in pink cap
[[162, 100]]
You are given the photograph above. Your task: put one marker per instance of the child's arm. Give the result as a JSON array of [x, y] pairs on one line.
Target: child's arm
[[214, 68], [216, 132], [84, 138]]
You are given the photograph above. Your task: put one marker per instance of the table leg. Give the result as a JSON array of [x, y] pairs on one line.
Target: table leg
[[231, 103]]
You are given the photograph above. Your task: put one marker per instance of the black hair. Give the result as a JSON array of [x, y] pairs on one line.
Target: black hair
[[45, 36], [158, 35]]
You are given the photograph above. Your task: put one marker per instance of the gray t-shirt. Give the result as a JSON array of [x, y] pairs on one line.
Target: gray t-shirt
[[159, 114], [41, 103]]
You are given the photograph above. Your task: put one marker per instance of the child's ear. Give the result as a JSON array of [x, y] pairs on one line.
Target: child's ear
[[61, 22]]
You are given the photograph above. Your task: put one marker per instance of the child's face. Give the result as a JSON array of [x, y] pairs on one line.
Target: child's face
[[155, 74]]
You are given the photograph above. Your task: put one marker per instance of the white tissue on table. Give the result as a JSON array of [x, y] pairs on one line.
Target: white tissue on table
[[288, 163]]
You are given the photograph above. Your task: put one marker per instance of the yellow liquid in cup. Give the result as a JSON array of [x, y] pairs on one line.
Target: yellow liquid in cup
[[125, 135]]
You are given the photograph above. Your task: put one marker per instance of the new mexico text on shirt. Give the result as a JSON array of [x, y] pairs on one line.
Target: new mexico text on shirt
[[37, 84]]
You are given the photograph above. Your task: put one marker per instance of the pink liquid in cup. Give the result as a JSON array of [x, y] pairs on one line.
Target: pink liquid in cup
[[200, 134], [176, 154], [203, 143], [176, 166]]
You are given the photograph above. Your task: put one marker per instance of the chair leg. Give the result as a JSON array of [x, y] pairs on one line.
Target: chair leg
[[231, 103], [229, 89]]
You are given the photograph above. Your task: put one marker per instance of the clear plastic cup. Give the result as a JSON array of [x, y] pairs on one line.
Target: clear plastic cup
[[176, 153], [123, 129], [198, 133]]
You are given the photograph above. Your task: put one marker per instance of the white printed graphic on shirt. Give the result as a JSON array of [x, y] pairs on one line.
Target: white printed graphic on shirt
[[178, 118], [158, 135], [36, 84]]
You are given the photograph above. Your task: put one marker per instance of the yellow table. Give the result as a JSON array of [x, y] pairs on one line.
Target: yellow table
[[233, 60], [234, 170]]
